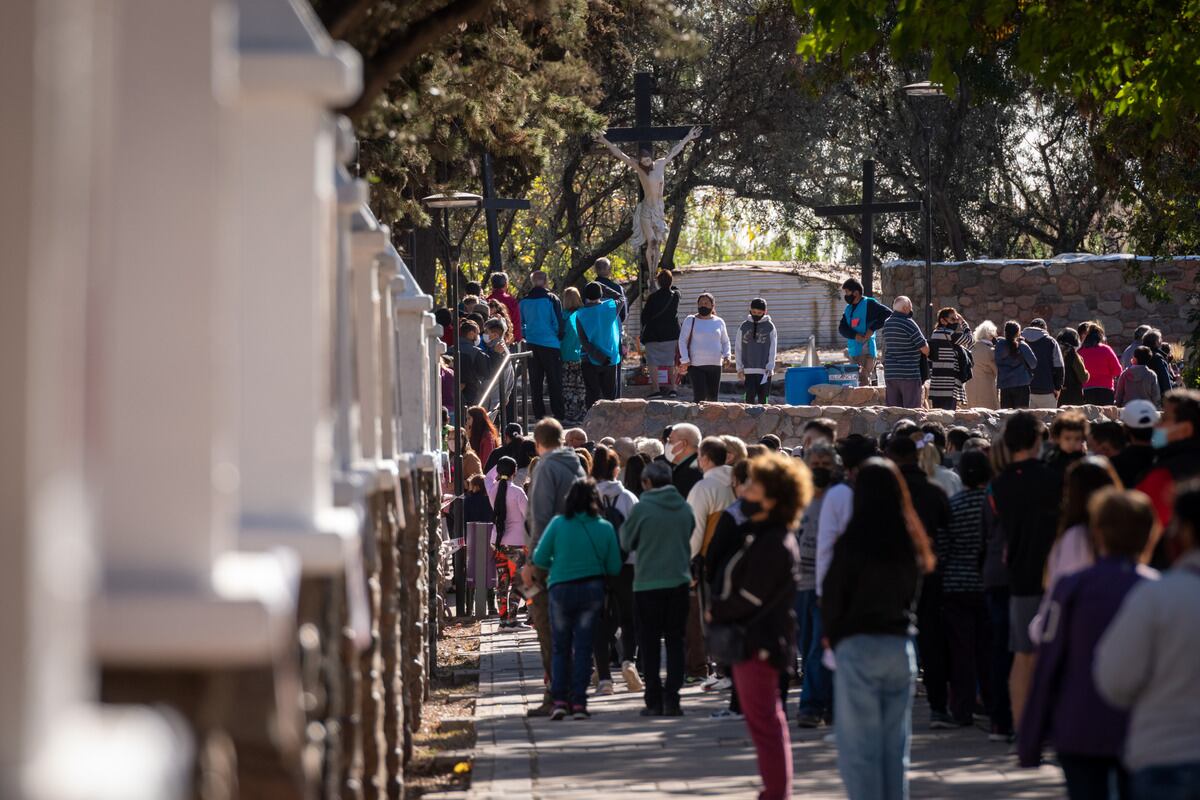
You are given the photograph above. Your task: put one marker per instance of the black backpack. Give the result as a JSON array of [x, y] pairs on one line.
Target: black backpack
[[610, 512]]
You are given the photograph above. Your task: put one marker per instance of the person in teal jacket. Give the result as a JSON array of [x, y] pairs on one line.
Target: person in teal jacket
[[861, 318], [658, 531], [599, 327], [579, 549]]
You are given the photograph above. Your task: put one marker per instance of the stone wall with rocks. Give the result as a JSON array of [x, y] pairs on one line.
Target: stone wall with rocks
[[634, 418], [1064, 291]]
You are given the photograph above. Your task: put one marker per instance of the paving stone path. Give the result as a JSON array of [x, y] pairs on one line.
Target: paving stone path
[[618, 754]]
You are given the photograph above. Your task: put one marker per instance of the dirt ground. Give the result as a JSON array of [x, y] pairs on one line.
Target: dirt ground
[[442, 748]]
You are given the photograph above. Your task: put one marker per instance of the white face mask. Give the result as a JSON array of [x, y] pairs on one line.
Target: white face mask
[[673, 454]]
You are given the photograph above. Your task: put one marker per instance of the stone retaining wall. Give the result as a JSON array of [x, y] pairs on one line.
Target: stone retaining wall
[[1064, 291], [634, 418]]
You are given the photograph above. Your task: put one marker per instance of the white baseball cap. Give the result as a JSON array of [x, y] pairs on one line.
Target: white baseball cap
[[1139, 414]]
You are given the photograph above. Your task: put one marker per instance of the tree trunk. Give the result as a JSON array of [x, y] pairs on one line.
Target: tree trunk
[[423, 259]]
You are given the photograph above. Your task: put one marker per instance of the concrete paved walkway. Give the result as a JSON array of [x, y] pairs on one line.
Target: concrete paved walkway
[[619, 754]]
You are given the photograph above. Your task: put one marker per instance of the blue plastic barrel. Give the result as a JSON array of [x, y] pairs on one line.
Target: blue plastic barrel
[[798, 380]]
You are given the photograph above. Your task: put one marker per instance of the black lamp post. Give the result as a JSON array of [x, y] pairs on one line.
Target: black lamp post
[[445, 203], [929, 90]]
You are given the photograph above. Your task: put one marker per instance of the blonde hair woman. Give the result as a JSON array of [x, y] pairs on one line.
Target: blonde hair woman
[[981, 389]]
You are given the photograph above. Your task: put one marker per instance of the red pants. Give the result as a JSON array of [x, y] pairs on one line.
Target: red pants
[[757, 685]]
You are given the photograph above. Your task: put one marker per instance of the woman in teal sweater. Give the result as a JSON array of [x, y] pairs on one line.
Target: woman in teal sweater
[[578, 548]]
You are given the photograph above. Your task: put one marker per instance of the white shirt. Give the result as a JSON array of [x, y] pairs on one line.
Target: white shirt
[[709, 344], [712, 494], [836, 509]]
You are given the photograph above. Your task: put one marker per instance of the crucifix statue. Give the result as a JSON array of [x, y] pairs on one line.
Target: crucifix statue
[[650, 218]]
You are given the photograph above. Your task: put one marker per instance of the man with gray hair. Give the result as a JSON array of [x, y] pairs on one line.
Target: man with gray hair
[[683, 448], [904, 345]]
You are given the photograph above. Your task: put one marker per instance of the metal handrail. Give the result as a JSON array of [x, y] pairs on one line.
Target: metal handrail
[[509, 358]]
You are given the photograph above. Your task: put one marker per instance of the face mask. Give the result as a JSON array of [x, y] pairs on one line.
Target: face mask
[[703, 311], [757, 317], [822, 477], [1158, 439], [751, 508], [849, 298], [671, 449]]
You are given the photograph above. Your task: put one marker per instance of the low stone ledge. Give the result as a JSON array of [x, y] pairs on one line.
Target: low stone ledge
[[634, 418]]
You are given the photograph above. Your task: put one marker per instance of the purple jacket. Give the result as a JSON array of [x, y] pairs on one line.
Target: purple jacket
[[1064, 706]]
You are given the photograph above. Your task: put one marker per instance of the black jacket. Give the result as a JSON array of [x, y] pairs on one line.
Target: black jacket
[[476, 372], [727, 539], [686, 474], [931, 504], [866, 592], [1026, 497], [1133, 463], [660, 316], [758, 589]]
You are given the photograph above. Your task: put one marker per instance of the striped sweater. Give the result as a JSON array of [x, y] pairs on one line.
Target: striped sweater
[[960, 553]]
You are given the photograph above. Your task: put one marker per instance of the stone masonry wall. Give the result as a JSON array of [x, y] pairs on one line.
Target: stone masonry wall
[[634, 418], [1064, 291]]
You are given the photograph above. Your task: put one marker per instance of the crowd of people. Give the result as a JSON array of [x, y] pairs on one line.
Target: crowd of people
[[1011, 366], [578, 344], [1043, 584]]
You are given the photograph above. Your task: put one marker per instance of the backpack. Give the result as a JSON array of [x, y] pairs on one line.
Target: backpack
[[610, 512]]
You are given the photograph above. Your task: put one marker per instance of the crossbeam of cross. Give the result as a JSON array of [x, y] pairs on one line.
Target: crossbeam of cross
[[868, 209]]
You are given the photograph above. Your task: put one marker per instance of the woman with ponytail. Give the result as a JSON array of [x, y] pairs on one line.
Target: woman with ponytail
[[1015, 363], [508, 503]]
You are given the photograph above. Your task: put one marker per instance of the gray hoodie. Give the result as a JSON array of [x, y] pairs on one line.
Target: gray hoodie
[[1138, 383], [1048, 375], [754, 349], [552, 479]]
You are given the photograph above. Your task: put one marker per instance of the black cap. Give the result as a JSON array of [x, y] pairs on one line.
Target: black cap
[[758, 303]]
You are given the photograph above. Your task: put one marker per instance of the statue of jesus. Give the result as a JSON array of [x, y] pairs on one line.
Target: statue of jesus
[[650, 218]]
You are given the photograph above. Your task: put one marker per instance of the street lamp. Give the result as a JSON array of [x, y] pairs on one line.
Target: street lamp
[[444, 203], [927, 89]]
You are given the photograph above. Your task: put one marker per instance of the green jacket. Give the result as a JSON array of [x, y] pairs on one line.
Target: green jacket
[[578, 547], [659, 530]]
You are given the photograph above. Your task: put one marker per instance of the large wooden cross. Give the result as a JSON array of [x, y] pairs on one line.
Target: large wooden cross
[[868, 209], [492, 206], [644, 131]]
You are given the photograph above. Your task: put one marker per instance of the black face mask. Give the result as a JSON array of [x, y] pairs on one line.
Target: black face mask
[[750, 508], [703, 311], [757, 317], [849, 298], [822, 477]]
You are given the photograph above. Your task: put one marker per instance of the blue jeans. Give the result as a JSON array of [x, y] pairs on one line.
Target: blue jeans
[[817, 686], [1173, 782], [873, 698], [574, 612]]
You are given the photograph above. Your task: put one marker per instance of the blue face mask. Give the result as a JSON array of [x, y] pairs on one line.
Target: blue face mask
[[1158, 439]]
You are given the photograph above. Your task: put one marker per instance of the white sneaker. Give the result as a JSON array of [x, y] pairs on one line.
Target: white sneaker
[[604, 687], [629, 672], [708, 683], [716, 684]]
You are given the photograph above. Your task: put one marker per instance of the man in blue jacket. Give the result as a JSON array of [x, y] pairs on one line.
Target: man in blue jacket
[[543, 326], [862, 317], [600, 336]]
